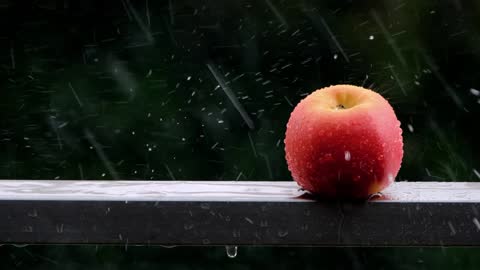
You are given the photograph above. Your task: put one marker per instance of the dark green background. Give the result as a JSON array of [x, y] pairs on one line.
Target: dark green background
[[121, 89]]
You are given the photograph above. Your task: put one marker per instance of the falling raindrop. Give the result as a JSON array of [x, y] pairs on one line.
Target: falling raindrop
[[476, 173], [452, 229], [410, 127], [59, 228], [477, 223], [231, 251], [474, 92]]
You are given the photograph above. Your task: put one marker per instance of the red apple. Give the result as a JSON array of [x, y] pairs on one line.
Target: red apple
[[344, 141]]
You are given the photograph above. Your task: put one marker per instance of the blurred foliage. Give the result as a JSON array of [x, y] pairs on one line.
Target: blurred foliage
[[122, 89]]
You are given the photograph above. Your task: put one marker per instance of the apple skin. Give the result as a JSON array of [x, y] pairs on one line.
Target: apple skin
[[343, 142]]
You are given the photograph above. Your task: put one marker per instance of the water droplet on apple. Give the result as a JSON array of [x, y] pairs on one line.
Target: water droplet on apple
[[347, 156]]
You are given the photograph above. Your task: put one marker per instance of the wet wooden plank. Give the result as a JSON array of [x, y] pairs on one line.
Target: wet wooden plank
[[234, 213]]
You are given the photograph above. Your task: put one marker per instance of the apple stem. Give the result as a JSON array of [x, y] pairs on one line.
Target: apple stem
[[340, 107]]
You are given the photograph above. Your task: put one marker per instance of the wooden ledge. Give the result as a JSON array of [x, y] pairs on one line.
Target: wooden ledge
[[234, 213]]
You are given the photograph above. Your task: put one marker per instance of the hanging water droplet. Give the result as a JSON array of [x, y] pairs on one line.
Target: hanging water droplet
[[231, 251]]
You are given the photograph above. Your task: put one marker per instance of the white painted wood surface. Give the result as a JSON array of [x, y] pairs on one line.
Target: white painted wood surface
[[287, 191]]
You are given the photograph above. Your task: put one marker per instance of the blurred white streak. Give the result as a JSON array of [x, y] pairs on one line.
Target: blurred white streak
[[219, 78], [101, 154], [388, 37]]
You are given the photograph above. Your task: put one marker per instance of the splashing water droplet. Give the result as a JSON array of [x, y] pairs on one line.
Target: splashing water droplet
[[282, 233], [231, 251], [374, 196]]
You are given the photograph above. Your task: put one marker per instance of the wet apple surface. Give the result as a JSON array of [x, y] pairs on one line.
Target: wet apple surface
[[344, 141]]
